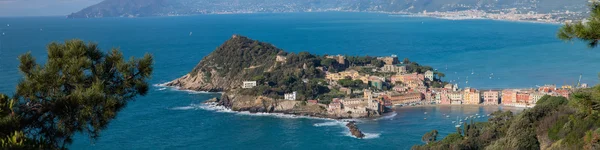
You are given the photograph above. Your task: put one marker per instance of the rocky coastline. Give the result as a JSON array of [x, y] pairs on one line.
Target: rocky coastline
[[354, 130]]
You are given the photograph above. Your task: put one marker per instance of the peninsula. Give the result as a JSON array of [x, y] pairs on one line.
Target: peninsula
[[258, 77]]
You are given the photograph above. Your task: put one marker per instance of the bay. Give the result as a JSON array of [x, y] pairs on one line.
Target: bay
[[519, 55]]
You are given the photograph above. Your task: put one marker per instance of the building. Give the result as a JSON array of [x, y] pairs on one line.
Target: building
[[440, 95], [429, 75], [522, 98], [248, 84], [339, 58], [367, 94], [535, 96], [352, 74], [453, 87], [563, 92], [404, 98], [391, 60], [471, 96], [547, 88], [456, 97], [335, 107], [281, 59], [396, 68], [290, 96], [491, 97], [401, 89], [509, 96]]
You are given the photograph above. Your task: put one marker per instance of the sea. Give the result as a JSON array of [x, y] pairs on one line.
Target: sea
[[483, 54]]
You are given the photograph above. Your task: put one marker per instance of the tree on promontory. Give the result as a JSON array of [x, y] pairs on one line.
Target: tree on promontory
[[80, 89], [587, 31]]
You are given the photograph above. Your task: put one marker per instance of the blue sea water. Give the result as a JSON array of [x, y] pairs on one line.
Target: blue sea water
[[518, 54]]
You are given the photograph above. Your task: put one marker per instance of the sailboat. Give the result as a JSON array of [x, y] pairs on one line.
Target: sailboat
[[472, 72], [458, 124]]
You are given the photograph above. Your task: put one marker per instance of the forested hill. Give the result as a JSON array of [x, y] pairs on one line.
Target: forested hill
[[236, 60], [142, 8]]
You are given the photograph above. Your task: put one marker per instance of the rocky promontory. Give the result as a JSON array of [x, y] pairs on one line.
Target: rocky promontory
[[354, 130], [272, 73], [235, 61]]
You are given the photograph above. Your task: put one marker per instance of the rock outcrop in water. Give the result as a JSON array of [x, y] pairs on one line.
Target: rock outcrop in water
[[354, 130]]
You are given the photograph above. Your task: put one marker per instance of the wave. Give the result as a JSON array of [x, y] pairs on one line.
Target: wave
[[388, 117], [346, 131], [367, 135], [164, 86], [331, 123], [217, 108]]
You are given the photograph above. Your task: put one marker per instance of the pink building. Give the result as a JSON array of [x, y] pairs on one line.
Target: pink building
[[491, 97]]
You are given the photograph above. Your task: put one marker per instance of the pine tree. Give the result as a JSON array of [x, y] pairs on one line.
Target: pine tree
[[80, 89], [587, 31]]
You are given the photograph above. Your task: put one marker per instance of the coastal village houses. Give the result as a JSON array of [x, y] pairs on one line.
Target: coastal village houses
[[290, 96], [491, 97], [248, 84]]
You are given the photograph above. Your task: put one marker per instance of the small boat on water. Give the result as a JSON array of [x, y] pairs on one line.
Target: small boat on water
[[458, 126], [447, 116], [424, 118], [425, 113], [453, 121]]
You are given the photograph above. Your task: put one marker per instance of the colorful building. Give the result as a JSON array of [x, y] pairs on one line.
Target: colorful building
[[491, 97]]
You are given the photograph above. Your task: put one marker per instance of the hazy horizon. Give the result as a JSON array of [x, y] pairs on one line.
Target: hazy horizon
[[15, 8]]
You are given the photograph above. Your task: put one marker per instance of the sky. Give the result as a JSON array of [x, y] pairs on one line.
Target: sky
[[13, 8]]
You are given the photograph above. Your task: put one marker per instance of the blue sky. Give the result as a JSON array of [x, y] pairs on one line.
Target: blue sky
[[42, 7]]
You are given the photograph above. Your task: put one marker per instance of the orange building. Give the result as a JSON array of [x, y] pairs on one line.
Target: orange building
[[522, 98]]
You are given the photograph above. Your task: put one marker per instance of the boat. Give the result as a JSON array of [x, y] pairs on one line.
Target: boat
[[472, 72], [447, 116], [3, 33], [191, 33], [424, 118], [453, 121], [425, 113], [458, 126], [8, 25]]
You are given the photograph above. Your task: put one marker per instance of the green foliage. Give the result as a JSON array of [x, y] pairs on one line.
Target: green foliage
[[80, 89], [430, 136], [588, 32]]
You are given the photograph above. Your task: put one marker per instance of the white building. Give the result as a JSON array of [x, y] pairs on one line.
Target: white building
[[290, 96], [429, 75], [249, 84]]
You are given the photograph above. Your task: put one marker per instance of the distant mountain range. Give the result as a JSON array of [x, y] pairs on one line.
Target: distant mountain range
[[144, 8]]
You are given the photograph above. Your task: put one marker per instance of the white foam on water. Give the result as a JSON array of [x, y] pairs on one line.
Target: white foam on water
[[163, 86], [183, 108], [367, 135], [388, 117], [331, 123], [214, 107]]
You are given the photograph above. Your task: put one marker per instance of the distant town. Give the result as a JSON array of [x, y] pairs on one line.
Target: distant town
[[393, 85], [512, 14]]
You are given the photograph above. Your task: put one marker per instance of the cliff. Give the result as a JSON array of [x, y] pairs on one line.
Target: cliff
[[236, 60], [262, 104]]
